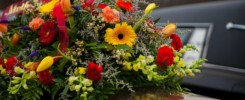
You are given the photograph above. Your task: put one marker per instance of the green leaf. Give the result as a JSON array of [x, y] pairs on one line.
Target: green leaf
[[71, 22], [123, 47], [91, 44], [62, 65], [157, 20]]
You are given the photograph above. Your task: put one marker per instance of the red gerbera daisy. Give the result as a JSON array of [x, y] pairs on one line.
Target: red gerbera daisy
[[47, 33], [125, 6], [46, 77], [176, 42], [165, 57], [94, 71]]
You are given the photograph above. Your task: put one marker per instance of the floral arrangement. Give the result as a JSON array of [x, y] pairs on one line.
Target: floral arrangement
[[89, 49]]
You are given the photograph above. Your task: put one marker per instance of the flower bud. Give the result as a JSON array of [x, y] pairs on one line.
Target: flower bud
[[87, 82], [149, 59], [188, 71], [25, 86], [32, 74], [150, 8], [72, 79], [45, 63], [3, 28], [15, 39], [196, 71], [72, 87], [149, 77], [90, 89], [66, 6], [15, 81], [18, 70], [168, 30], [78, 87], [84, 88]]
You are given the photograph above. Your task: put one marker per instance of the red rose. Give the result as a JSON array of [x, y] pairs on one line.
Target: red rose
[[46, 77], [94, 71], [47, 33], [165, 57], [125, 6], [176, 42]]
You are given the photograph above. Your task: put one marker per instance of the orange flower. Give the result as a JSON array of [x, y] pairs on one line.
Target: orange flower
[[110, 15], [168, 30], [66, 6], [3, 28], [36, 23]]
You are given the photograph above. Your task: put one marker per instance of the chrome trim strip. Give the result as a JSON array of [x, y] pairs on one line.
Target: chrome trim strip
[[220, 67]]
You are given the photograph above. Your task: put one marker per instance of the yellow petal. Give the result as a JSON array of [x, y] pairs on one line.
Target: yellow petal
[[45, 63], [150, 8], [48, 7], [169, 29]]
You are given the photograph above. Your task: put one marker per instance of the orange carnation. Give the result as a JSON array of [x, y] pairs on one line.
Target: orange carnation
[[36, 23], [110, 15]]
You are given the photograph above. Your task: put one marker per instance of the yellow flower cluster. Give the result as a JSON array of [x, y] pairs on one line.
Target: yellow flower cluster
[[143, 64]]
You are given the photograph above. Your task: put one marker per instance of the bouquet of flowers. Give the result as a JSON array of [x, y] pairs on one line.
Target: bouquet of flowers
[[88, 49]]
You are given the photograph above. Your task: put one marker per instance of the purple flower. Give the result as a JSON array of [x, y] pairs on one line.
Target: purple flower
[[34, 53], [25, 28], [4, 21], [77, 8]]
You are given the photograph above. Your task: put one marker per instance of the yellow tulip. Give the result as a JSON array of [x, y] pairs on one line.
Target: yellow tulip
[[150, 8], [45, 63], [3, 28], [15, 38], [66, 6], [48, 7], [168, 30]]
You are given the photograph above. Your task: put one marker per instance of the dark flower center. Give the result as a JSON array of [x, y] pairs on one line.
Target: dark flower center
[[120, 36]]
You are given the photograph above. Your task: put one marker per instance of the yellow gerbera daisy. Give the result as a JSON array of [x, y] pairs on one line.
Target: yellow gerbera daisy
[[121, 34]]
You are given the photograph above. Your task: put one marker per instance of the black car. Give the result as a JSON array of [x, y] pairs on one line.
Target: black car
[[219, 41]]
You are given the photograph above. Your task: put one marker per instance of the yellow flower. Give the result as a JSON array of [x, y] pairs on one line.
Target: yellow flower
[[168, 30], [181, 63], [127, 66], [82, 70], [48, 7], [136, 67], [3, 71], [150, 8], [121, 34], [45, 63]]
